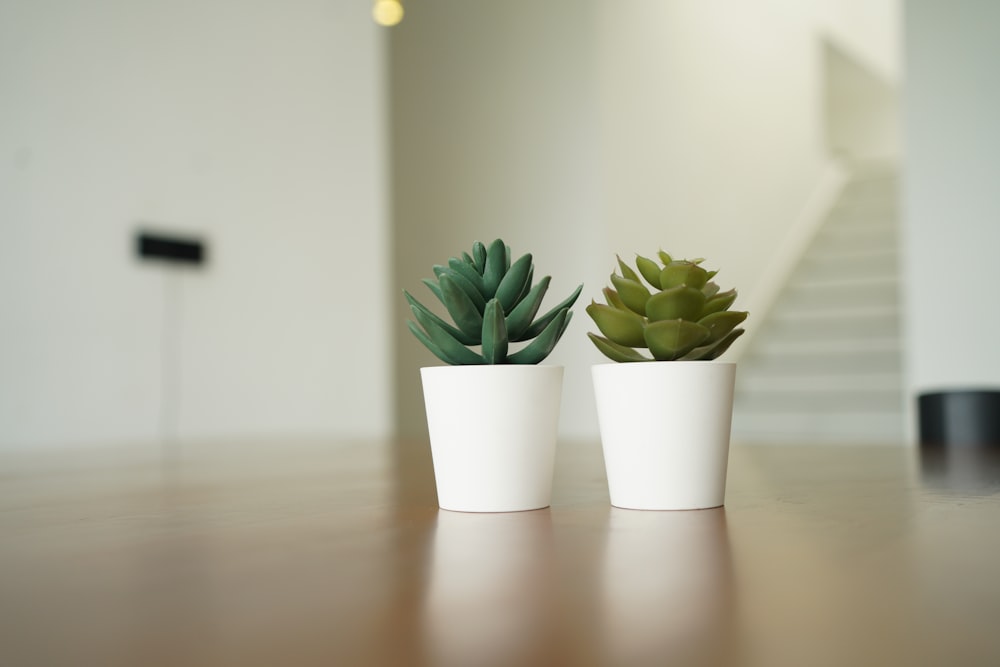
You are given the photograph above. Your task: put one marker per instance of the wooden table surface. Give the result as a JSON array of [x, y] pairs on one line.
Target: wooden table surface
[[329, 553]]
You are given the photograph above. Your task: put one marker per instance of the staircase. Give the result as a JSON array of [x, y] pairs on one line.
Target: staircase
[[825, 366]]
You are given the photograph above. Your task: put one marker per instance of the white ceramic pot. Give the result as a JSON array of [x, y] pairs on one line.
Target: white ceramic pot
[[493, 435], [665, 432]]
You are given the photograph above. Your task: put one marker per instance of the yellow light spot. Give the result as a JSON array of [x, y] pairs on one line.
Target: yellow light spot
[[387, 12]]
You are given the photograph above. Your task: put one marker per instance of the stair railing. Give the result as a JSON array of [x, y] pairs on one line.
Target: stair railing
[[793, 246]]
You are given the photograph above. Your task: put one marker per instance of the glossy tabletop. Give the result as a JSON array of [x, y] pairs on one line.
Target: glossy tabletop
[[334, 553]]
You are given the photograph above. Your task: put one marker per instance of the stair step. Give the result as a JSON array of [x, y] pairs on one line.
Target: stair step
[[819, 255], [827, 363], [863, 293], [828, 427], [868, 185], [748, 401], [847, 283], [840, 346], [869, 240], [873, 231], [864, 264], [770, 365], [821, 330], [826, 314], [872, 182], [863, 210], [830, 383], [847, 271]]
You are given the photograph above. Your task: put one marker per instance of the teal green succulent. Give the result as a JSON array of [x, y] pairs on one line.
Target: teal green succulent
[[684, 318], [492, 303]]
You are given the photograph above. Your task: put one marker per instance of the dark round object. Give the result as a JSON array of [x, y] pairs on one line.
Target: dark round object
[[965, 418]]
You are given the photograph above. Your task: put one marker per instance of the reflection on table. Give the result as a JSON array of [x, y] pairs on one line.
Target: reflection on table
[[335, 553]]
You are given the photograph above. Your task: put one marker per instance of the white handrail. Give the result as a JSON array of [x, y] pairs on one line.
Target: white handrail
[[816, 209]]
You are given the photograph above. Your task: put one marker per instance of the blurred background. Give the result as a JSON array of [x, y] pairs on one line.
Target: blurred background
[[327, 162]]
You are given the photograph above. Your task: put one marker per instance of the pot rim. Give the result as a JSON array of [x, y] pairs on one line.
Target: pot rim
[[473, 367], [654, 363]]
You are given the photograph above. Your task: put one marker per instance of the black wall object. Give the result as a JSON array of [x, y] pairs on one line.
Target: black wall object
[[965, 418], [168, 248]]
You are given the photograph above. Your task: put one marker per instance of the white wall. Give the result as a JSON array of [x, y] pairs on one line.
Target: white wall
[[861, 110], [951, 200], [572, 129], [869, 30], [494, 124], [711, 122], [585, 129], [255, 124]]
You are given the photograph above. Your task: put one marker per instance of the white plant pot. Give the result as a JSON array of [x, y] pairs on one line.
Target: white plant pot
[[493, 435], [665, 429]]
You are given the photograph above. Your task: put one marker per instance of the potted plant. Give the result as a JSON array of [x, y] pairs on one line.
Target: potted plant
[[493, 412], [665, 422]]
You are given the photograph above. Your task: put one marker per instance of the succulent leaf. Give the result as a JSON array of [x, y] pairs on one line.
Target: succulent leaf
[[616, 352], [719, 302], [479, 257], [565, 325], [434, 287], [685, 317], [491, 302], [671, 339], [470, 290], [448, 346], [713, 350], [627, 271], [527, 285], [469, 272], [683, 273], [496, 260], [622, 326], [512, 284], [650, 270], [494, 334], [524, 312], [614, 300], [681, 302], [422, 314], [721, 323], [542, 345], [461, 308], [543, 322], [724, 344], [632, 293], [429, 344]]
